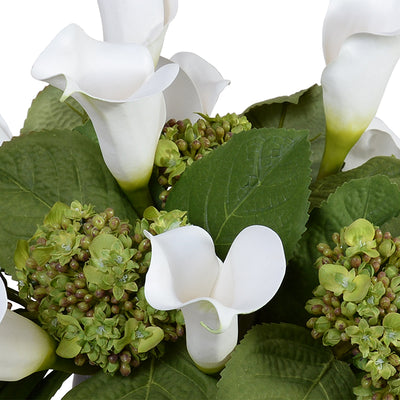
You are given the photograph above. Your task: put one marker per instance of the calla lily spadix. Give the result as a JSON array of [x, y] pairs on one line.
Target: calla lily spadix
[[117, 86], [137, 21], [196, 88], [5, 133], [25, 348], [377, 140], [362, 47], [186, 274]]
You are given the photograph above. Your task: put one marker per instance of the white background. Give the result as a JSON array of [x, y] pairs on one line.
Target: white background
[[267, 48]]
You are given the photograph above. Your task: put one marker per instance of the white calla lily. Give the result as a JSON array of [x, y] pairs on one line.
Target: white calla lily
[[186, 274], [5, 133], [137, 21], [377, 140], [362, 47], [196, 88], [25, 348], [117, 86]]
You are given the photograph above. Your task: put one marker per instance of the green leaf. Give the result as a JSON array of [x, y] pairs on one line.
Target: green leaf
[[48, 113], [21, 389], [39, 169], [88, 130], [373, 198], [172, 377], [284, 362], [302, 110], [259, 177], [49, 386], [388, 166]]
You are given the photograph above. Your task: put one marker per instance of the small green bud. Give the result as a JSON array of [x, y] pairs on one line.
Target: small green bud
[[331, 337], [322, 324]]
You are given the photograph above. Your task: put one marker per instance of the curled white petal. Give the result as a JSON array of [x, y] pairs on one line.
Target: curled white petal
[[185, 273], [183, 267], [3, 300], [196, 88], [345, 18], [209, 350], [117, 86], [24, 347], [5, 133], [377, 140], [253, 270], [136, 21], [355, 81]]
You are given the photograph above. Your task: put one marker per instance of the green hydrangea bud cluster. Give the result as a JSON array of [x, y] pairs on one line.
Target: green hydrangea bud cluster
[[182, 143], [355, 307], [83, 275]]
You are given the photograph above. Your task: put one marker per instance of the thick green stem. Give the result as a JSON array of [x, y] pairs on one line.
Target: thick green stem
[[140, 199]]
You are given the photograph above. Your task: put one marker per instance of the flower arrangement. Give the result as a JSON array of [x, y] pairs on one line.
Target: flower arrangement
[[164, 252]]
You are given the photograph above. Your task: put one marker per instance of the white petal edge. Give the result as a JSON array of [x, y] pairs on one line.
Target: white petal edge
[[377, 140], [183, 267], [3, 300], [131, 21], [24, 347], [207, 349], [352, 88], [252, 271], [5, 133], [345, 17], [206, 79], [128, 134], [107, 71], [181, 98]]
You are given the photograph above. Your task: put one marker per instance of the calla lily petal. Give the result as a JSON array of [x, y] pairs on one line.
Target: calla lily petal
[[353, 90], [5, 133], [196, 88], [264, 260], [185, 273], [377, 140], [3, 300], [135, 21], [209, 350], [345, 18], [24, 347], [180, 272], [117, 86]]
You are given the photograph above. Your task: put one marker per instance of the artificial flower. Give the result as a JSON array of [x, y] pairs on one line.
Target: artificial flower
[[196, 88], [24, 347], [186, 274], [362, 46], [5, 133], [137, 21], [198, 84], [117, 86], [377, 140]]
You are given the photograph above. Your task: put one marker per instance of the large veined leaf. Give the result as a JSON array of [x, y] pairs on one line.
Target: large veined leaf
[[258, 177], [172, 377], [47, 112], [39, 169], [389, 166], [301, 110], [283, 362], [374, 198]]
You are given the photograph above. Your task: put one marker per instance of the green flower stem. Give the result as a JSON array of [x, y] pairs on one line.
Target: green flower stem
[[140, 198], [337, 146]]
